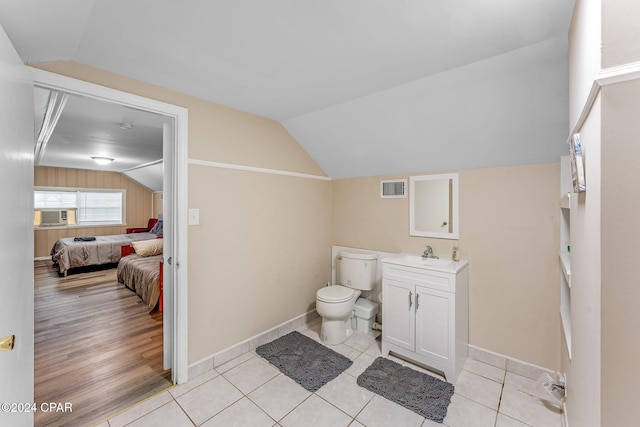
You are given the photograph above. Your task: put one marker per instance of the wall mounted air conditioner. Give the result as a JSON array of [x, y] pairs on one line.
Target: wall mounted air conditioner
[[52, 217]]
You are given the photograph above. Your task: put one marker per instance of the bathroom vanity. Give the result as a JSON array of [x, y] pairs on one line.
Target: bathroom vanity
[[425, 303]]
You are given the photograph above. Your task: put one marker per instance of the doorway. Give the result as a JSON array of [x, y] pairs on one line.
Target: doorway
[[174, 207]]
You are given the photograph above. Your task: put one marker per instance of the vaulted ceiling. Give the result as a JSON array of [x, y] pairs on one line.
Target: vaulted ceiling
[[367, 87]]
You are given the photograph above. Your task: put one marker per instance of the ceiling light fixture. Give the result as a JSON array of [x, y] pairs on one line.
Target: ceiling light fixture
[[126, 126], [102, 160]]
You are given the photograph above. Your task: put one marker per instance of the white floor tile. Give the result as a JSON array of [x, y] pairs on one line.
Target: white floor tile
[[140, 410], [167, 415], [243, 413], [316, 412], [463, 412], [479, 389], [361, 363], [313, 333], [235, 362], [248, 391], [484, 369], [188, 386], [251, 374], [381, 412], [279, 396], [360, 340], [344, 393], [374, 349], [346, 351], [529, 409], [526, 385], [504, 421], [206, 400]]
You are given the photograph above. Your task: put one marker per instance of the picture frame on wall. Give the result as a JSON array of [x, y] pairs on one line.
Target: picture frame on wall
[[577, 164]]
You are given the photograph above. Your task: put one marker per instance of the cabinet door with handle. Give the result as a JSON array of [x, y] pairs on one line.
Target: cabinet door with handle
[[435, 323], [398, 302]]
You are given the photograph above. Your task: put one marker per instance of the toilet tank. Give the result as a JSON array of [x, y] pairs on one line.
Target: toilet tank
[[357, 270]]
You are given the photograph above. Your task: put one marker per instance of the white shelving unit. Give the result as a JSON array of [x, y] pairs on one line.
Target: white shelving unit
[[565, 249]]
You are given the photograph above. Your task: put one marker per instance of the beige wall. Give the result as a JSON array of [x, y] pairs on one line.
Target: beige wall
[[157, 204], [620, 32], [620, 255], [263, 252], [509, 232], [263, 244], [605, 318], [138, 203], [583, 379]]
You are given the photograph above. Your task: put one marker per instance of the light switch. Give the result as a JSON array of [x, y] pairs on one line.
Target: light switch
[[194, 216]]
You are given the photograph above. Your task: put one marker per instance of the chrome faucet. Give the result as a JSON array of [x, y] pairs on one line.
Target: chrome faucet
[[428, 253]]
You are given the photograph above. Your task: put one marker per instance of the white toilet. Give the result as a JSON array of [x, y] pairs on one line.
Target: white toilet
[[356, 273]]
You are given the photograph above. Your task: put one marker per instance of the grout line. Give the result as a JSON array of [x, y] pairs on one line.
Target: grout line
[[504, 379], [353, 418], [183, 410]]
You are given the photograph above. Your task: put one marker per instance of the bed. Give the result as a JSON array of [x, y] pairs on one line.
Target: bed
[[140, 269], [68, 253], [74, 252]]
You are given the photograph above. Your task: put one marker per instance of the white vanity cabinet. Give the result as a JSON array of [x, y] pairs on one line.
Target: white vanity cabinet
[[425, 316]]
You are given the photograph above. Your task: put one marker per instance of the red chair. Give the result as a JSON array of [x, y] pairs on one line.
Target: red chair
[[150, 225]]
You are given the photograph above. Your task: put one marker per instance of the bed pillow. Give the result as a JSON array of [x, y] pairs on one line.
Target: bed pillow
[[148, 247], [157, 228]]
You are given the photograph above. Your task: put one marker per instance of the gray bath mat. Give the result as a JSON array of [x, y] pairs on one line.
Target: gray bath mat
[[422, 393], [304, 360]]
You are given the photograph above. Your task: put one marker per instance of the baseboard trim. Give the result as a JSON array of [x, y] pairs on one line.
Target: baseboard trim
[[208, 363], [509, 364]]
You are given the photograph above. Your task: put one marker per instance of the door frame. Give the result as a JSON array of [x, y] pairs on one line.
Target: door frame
[[48, 80]]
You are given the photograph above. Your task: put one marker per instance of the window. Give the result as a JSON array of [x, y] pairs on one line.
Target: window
[[82, 206]]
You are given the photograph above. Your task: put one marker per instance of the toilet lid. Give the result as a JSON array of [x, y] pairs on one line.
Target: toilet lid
[[335, 293]]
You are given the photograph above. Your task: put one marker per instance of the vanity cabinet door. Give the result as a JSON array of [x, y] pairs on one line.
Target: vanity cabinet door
[[435, 324], [398, 299]]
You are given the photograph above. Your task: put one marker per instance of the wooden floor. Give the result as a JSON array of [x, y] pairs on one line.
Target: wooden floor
[[96, 346]]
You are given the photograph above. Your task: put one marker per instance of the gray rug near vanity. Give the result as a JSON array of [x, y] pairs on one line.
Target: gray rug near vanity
[[304, 360], [417, 391]]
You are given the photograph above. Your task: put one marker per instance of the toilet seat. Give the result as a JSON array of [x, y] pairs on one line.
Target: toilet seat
[[335, 294]]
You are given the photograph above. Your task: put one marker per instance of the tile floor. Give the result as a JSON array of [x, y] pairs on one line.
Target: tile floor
[[248, 391]]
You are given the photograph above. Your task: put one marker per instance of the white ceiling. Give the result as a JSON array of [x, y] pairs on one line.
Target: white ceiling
[[298, 62], [90, 128]]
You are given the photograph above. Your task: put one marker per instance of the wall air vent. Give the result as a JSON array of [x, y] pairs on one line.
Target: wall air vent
[[393, 188]]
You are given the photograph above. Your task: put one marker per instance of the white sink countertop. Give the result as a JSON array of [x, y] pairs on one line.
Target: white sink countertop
[[439, 264]]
